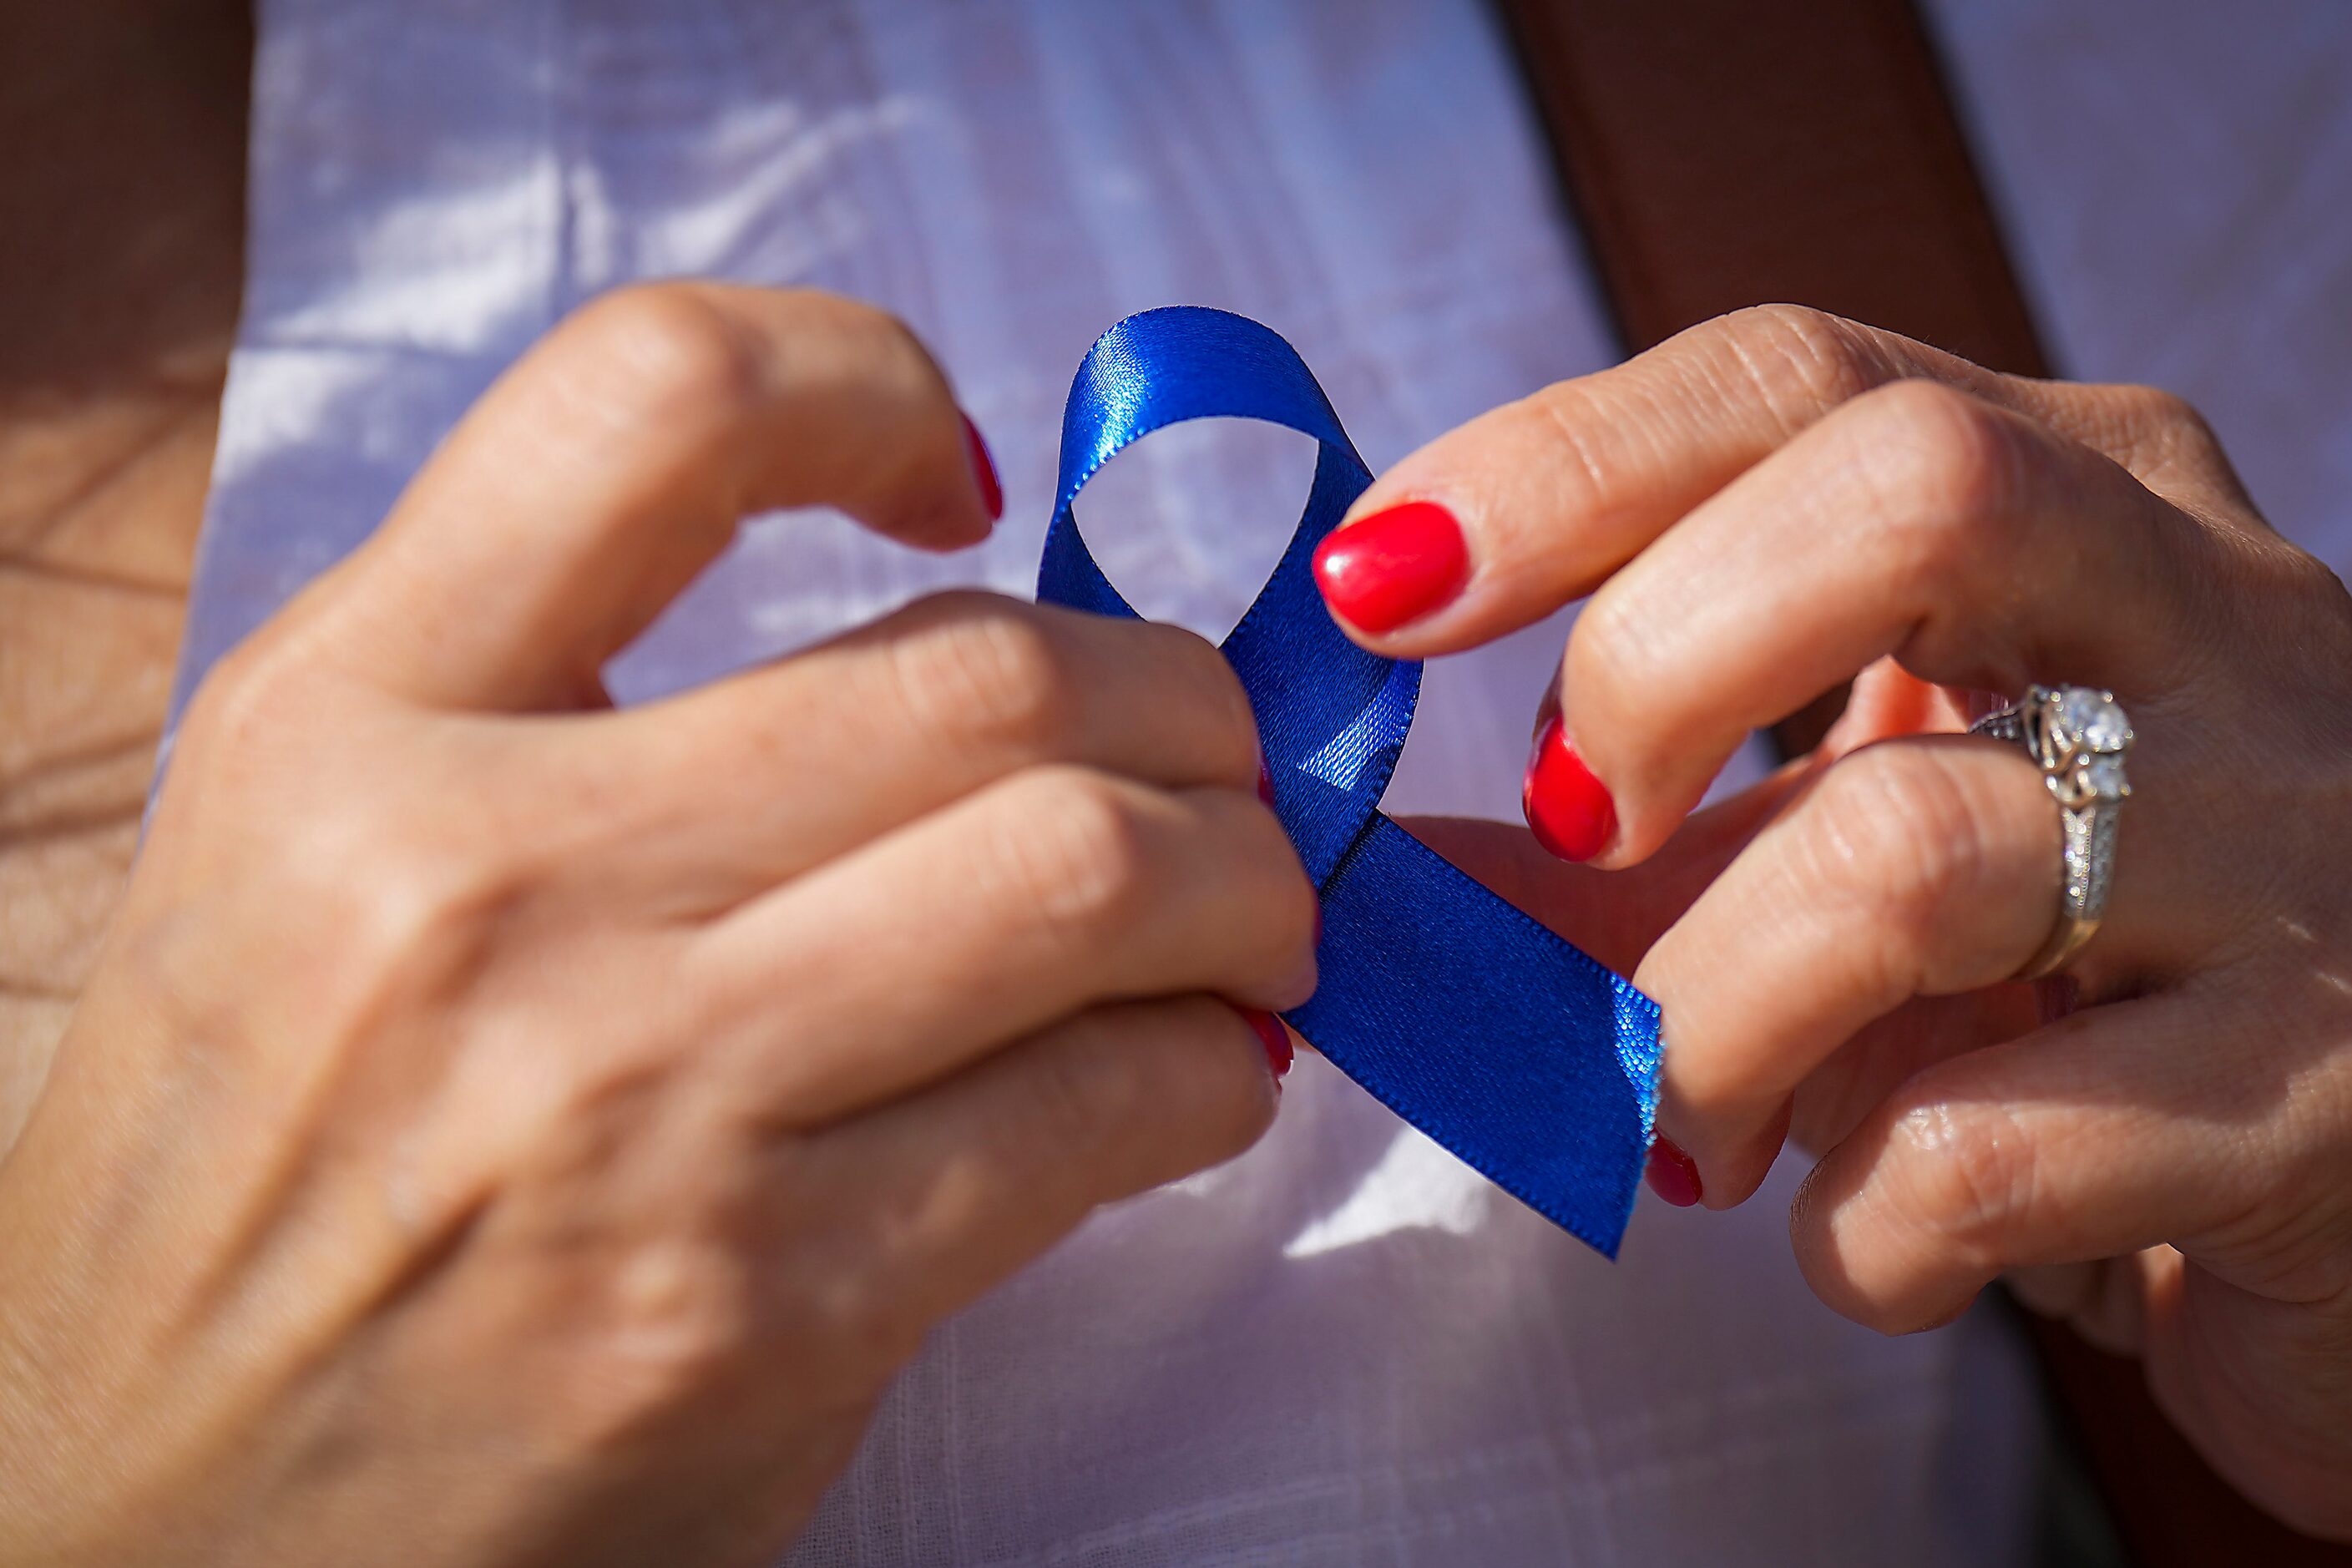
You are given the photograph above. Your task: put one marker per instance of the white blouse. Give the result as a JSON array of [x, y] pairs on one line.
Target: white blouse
[[1343, 1347]]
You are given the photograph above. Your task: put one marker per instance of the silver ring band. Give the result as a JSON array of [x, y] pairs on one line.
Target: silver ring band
[[2079, 738]]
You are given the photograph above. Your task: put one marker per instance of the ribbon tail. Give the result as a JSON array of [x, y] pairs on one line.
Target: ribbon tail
[[1527, 1059]]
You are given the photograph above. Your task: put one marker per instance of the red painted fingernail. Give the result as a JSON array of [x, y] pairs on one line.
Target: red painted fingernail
[[1273, 1037], [1393, 566], [1264, 782], [1672, 1175], [1568, 809], [984, 470]]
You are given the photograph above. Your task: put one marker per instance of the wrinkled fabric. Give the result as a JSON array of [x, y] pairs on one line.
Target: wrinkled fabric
[[1343, 1347]]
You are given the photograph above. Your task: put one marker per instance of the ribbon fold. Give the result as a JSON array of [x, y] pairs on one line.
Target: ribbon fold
[[1521, 1055]]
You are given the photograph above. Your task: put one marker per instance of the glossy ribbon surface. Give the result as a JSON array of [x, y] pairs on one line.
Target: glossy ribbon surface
[[1477, 1026]]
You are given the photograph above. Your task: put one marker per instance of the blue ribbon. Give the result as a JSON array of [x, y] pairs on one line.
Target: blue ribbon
[[1479, 1026]]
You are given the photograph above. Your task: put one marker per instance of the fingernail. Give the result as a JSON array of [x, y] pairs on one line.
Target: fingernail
[[1672, 1175], [1273, 1037], [984, 470], [1393, 566], [1568, 809], [1264, 782]]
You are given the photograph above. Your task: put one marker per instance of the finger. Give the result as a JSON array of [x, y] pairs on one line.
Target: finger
[[613, 463], [968, 1181], [1828, 1106], [1923, 866], [1555, 491], [1047, 892], [1616, 916], [2111, 1132], [1967, 542], [733, 787], [1532, 505]]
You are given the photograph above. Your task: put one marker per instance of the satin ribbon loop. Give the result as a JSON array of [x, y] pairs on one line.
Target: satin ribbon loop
[[1475, 1024]]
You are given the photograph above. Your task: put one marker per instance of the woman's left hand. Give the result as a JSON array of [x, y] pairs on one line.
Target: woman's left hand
[[1779, 501]]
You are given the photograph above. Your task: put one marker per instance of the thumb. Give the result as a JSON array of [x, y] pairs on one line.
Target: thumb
[[1615, 916]]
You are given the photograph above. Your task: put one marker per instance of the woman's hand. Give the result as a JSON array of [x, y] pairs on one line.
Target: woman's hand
[[1777, 501], [506, 1130]]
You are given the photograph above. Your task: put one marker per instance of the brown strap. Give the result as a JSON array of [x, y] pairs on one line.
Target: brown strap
[[1722, 153]]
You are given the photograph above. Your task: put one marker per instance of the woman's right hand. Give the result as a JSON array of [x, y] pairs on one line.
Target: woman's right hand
[[502, 1129]]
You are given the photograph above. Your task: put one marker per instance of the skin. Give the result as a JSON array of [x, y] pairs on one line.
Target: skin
[[1779, 501], [524, 1105], [400, 1152], [119, 287]]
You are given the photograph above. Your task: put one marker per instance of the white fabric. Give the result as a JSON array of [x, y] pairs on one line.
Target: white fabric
[[1344, 1347]]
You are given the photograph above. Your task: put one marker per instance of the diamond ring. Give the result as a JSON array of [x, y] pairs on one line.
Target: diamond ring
[[2079, 738]]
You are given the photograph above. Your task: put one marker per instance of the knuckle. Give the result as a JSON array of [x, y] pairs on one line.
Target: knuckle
[[402, 900], [1901, 835], [410, 901], [1619, 659], [1800, 360], [1083, 1093], [1944, 481], [1964, 1183], [681, 1306], [987, 670], [2152, 412], [861, 333], [871, 358], [1940, 455], [241, 706], [657, 351], [850, 1298], [1560, 419], [668, 1250], [2162, 432], [880, 339], [382, 906], [675, 1319], [1079, 854], [378, 863]]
